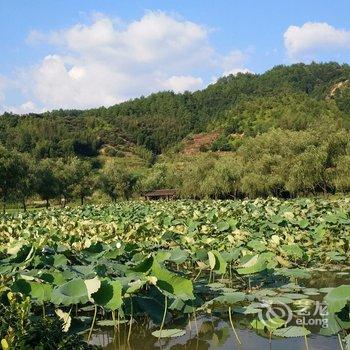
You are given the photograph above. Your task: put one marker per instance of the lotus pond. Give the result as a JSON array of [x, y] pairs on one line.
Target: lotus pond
[[177, 275]]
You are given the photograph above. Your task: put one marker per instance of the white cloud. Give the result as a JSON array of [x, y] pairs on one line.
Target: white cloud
[[107, 61], [314, 37], [86, 84], [25, 108], [235, 71], [235, 58], [182, 83], [233, 63], [35, 37], [156, 37]]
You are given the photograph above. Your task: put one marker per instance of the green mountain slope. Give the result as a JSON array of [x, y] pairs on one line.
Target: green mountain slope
[[291, 97]]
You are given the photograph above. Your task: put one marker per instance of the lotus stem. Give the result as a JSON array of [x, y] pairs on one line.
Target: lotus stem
[[92, 324], [233, 327], [340, 342], [114, 320], [164, 315], [189, 323], [306, 343], [115, 325], [130, 325], [195, 322], [118, 319], [200, 271]]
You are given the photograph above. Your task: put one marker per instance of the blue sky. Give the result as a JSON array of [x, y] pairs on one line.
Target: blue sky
[[88, 53]]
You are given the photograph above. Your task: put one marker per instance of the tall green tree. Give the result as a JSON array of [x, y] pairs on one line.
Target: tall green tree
[[13, 171], [117, 182], [25, 187], [47, 183]]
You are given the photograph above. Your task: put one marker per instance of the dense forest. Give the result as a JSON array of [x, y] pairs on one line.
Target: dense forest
[[283, 133]]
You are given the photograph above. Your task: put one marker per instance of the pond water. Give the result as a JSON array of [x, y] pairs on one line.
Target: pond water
[[212, 334], [214, 331]]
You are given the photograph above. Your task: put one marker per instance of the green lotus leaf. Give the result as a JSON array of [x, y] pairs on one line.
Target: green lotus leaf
[[335, 256], [135, 286], [216, 262], [293, 251], [231, 255], [255, 264], [257, 245], [291, 332], [178, 255], [249, 310], [303, 223], [109, 295], [277, 300], [162, 255], [110, 323], [70, 293], [228, 299], [169, 333], [145, 265], [184, 306], [333, 324], [85, 271], [223, 226], [270, 324], [172, 283], [337, 298], [294, 296], [40, 292], [53, 277], [59, 260]]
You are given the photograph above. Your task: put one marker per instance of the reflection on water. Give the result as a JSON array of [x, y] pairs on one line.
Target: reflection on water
[[322, 279], [214, 331]]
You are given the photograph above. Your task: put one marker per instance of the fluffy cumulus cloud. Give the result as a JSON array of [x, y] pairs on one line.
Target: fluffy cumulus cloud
[[312, 38], [108, 61]]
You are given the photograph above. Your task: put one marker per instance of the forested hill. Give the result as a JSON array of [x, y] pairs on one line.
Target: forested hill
[[282, 133], [289, 97]]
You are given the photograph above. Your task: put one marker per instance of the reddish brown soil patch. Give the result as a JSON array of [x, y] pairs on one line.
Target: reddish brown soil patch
[[197, 141]]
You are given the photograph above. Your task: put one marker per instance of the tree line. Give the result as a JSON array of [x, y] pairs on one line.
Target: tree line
[[22, 177], [281, 163]]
